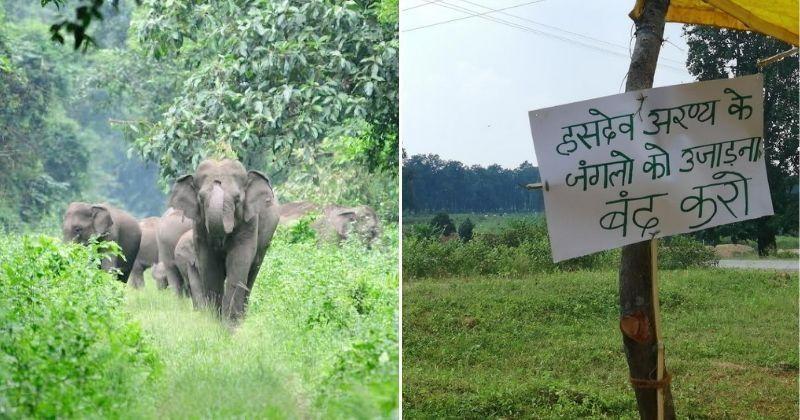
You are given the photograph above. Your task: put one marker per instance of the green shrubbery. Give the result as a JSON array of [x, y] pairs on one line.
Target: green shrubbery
[[522, 247], [302, 230], [334, 310], [683, 251], [67, 348]]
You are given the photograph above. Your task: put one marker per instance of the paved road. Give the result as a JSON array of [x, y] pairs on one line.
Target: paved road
[[789, 265]]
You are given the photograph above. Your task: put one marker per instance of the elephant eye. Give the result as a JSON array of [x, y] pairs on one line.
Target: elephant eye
[[77, 229]]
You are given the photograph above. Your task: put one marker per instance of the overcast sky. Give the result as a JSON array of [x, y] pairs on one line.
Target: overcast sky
[[466, 86]]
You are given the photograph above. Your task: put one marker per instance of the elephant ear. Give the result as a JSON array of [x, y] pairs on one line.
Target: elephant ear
[[258, 193], [347, 217], [350, 215], [184, 197], [101, 220]]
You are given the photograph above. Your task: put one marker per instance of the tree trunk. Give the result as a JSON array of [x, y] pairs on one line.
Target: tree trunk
[[635, 280]]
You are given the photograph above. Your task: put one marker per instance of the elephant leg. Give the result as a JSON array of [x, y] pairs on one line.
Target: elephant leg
[[137, 276], [211, 274], [115, 265], [162, 282], [174, 279], [251, 276], [196, 288], [238, 264]]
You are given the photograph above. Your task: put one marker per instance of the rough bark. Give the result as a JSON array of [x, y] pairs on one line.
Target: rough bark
[[635, 272]]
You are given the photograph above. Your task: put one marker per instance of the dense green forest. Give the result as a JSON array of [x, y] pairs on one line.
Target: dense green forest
[[304, 91], [56, 143], [432, 184]]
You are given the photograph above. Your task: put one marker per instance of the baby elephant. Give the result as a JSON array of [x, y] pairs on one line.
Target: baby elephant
[[338, 223], [186, 262], [83, 221], [172, 225]]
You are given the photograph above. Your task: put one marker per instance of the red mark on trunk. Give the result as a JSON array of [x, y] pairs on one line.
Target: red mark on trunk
[[636, 326]]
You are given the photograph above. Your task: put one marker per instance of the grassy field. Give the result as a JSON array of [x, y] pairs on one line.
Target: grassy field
[[319, 339], [549, 346]]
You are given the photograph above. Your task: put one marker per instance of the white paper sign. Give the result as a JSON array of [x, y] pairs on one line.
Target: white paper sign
[[621, 169]]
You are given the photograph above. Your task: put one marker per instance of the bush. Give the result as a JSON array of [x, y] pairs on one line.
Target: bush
[[302, 231], [334, 311], [421, 230], [521, 248], [465, 230], [683, 251], [442, 223], [67, 348]]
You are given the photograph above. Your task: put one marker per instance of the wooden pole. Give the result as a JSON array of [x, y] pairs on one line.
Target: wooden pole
[[637, 274], [657, 325]]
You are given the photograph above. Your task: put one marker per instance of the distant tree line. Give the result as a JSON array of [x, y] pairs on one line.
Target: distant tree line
[[432, 184]]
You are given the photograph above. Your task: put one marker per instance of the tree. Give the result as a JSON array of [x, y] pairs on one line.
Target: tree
[[268, 81], [86, 12], [431, 184], [43, 153], [443, 224], [716, 53], [465, 230], [636, 268]]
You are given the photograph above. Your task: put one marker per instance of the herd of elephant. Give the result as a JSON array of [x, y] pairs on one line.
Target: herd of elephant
[[211, 241]]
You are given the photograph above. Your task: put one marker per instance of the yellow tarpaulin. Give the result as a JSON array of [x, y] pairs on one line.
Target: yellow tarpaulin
[[776, 18]]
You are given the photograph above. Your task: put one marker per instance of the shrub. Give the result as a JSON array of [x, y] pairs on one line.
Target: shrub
[[302, 230], [521, 248], [334, 309], [420, 230], [443, 224], [683, 251], [465, 230], [67, 348]]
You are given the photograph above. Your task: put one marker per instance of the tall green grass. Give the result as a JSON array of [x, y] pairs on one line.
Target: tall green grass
[[319, 339]]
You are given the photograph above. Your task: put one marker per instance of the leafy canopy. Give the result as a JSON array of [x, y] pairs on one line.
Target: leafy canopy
[[269, 80]]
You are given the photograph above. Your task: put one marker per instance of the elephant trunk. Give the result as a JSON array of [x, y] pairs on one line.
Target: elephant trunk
[[218, 223]]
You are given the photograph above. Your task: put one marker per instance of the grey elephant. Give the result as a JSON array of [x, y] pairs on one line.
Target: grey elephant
[[148, 251], [235, 213], [186, 261], [295, 210], [171, 226], [83, 221], [338, 223]]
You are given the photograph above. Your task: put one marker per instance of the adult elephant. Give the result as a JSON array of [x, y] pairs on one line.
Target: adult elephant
[[171, 226], [83, 221], [235, 214], [148, 251], [340, 223]]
